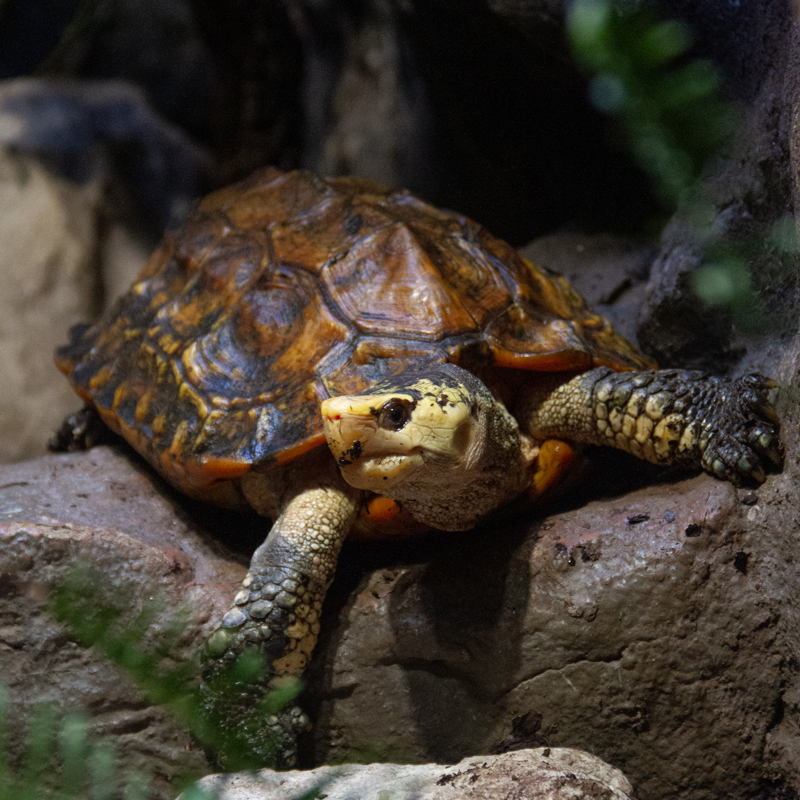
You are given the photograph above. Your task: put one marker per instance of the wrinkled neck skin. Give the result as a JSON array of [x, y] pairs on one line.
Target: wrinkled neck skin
[[496, 468]]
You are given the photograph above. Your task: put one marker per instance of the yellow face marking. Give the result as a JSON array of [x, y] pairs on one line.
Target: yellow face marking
[[379, 440]]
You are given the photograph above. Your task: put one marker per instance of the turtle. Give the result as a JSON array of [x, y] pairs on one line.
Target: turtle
[[448, 375]]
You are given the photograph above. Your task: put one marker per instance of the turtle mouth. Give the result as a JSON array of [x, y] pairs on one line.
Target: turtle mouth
[[369, 456], [380, 472], [346, 430]]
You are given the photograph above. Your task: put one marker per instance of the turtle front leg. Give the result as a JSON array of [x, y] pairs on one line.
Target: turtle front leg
[[275, 615], [726, 427]]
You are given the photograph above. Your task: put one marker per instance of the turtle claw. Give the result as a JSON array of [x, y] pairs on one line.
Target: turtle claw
[[767, 444], [757, 473], [745, 441], [241, 732], [79, 432]]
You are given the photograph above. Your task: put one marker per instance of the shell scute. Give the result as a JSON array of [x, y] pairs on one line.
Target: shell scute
[[327, 231], [388, 282], [268, 344], [374, 359], [277, 200]]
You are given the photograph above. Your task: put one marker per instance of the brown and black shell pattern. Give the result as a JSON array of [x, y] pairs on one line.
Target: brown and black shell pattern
[[285, 289]]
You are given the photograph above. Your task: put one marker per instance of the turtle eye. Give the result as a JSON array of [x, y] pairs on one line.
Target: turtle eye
[[394, 414]]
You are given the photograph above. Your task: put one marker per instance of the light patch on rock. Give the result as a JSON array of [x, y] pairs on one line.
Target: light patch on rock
[[48, 235], [545, 773]]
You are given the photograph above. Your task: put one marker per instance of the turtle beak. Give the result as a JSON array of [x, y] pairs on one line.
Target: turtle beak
[[369, 456], [348, 423]]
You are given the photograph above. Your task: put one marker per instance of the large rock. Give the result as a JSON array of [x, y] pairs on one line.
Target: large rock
[[99, 508], [653, 630], [543, 774], [60, 256], [78, 164]]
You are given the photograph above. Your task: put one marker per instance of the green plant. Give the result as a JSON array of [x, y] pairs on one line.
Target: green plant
[[672, 111], [670, 106], [62, 758], [146, 651]]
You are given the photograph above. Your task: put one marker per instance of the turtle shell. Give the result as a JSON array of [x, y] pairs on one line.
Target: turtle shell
[[287, 288]]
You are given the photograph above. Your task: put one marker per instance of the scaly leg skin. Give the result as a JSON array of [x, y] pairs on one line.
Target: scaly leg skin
[[276, 614], [691, 419], [79, 432]]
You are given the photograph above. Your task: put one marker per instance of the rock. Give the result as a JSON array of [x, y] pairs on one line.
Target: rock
[[649, 625], [609, 271], [750, 192], [123, 254], [542, 774], [85, 129], [368, 114], [48, 248], [76, 160], [60, 511], [151, 44], [454, 102]]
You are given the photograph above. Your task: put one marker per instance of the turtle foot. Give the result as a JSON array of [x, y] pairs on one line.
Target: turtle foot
[[80, 431], [743, 440], [683, 418], [246, 729]]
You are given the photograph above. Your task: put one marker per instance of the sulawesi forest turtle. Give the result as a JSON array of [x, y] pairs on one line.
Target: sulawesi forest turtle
[[448, 375]]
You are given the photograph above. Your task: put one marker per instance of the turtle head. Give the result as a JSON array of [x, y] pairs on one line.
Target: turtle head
[[422, 438], [388, 433]]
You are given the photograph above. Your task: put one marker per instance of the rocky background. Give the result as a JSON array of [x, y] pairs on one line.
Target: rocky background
[[656, 630]]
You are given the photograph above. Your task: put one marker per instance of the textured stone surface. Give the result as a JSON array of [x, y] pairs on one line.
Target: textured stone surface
[[750, 189], [58, 258], [609, 271], [655, 630], [99, 508], [71, 237], [542, 774]]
